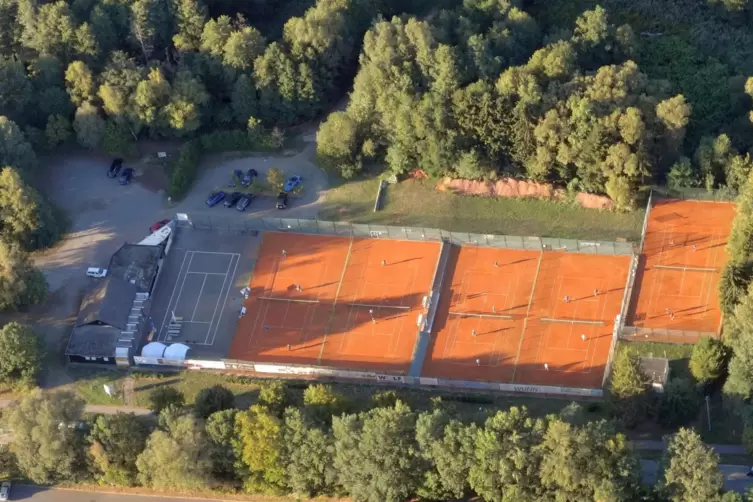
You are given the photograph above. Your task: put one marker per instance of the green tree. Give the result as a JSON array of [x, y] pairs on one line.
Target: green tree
[[19, 208], [682, 175], [79, 82], [243, 99], [45, 440], [322, 402], [589, 462], [274, 395], [150, 25], [190, 17], [89, 126], [184, 109], [739, 328], [691, 470], [150, 99], [242, 48], [212, 400], [260, 433], [58, 130], [15, 150], [162, 397], [50, 29], [23, 355], [215, 34], [117, 138], [679, 404], [375, 454], [309, 456], [20, 283], [226, 448], [338, 144], [628, 387], [15, 88], [177, 457], [115, 442], [707, 360], [275, 178], [447, 446], [507, 459]]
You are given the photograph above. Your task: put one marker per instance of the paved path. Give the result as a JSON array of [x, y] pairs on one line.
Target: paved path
[[722, 449], [44, 494], [98, 408]]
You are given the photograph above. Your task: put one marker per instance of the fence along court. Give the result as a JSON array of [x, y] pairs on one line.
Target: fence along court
[[676, 298]]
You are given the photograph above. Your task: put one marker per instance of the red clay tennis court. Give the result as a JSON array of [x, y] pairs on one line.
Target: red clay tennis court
[[683, 253], [503, 317], [335, 301]]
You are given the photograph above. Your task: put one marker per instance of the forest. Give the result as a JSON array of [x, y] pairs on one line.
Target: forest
[[319, 443]]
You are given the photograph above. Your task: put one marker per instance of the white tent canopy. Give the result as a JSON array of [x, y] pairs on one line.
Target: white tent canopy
[[153, 349], [176, 351]]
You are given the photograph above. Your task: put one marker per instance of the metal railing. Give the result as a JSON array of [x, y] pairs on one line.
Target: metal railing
[[700, 194], [346, 229]]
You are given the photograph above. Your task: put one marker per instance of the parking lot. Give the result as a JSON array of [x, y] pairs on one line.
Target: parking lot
[[200, 288]]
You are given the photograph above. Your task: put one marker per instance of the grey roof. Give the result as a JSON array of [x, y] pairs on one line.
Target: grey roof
[[103, 315], [136, 264], [656, 368], [108, 301]]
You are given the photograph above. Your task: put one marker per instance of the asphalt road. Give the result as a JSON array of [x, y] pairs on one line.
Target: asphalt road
[[734, 475], [42, 494]]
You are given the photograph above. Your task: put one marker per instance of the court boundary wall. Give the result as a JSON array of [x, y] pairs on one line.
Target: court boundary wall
[[356, 230], [297, 371]]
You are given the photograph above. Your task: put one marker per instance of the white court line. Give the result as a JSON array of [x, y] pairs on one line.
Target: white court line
[[224, 301], [167, 311], [215, 252], [209, 273], [198, 298]]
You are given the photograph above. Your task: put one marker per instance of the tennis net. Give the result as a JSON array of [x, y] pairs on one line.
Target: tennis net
[[572, 321], [490, 316], [688, 269]]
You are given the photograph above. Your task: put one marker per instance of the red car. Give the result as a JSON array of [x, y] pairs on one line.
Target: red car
[[158, 225]]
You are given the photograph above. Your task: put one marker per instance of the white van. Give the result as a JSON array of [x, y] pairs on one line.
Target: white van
[[96, 272]]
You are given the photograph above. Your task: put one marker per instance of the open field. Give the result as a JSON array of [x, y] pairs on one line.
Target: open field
[[417, 203]]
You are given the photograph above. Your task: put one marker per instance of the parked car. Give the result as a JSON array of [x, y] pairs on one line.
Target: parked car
[[282, 200], [95, 272], [244, 202], [115, 168], [232, 199], [125, 176], [292, 183], [158, 225], [5, 490], [249, 177], [215, 198]]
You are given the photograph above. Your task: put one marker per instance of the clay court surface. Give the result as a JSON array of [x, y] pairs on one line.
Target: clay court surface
[[503, 317], [332, 301], [683, 253]]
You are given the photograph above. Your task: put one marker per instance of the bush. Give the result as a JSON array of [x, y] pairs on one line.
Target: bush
[[471, 167], [240, 140], [275, 178], [117, 138], [274, 395], [213, 399], [707, 360], [679, 404], [682, 175], [162, 397], [183, 172]]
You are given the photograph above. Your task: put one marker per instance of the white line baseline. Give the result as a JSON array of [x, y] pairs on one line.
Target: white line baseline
[[224, 301], [491, 316], [292, 300]]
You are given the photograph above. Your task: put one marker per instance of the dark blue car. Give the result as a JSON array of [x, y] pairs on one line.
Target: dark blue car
[[125, 176], [249, 177], [215, 198]]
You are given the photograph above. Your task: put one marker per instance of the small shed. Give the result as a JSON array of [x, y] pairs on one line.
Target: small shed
[[656, 370]]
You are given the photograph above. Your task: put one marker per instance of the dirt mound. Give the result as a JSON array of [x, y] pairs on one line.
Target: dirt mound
[[510, 187]]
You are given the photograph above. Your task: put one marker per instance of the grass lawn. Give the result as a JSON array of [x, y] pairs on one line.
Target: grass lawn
[[417, 203]]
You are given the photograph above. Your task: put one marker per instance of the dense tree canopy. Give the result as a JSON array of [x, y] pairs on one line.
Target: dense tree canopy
[[22, 360]]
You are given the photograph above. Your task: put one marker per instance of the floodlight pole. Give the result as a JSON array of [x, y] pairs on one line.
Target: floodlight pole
[[708, 412]]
